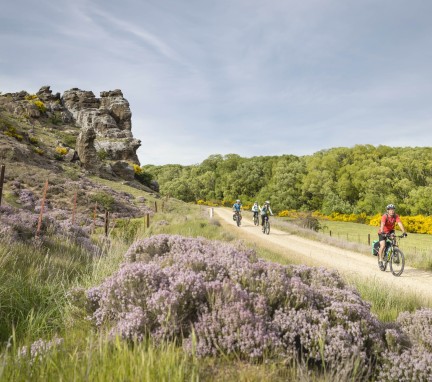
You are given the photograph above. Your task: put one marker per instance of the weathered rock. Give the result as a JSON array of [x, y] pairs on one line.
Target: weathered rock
[[120, 149], [109, 117], [71, 156], [86, 149], [45, 94], [123, 170]]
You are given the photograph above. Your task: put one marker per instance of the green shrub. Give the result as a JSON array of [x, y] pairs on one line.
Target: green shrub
[[102, 154], [69, 140], [33, 140], [105, 200]]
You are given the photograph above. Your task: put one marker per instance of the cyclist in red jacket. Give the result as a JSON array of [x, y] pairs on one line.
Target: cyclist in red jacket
[[388, 222]]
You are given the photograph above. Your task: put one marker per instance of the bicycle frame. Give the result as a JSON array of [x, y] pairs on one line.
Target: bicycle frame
[[393, 255]]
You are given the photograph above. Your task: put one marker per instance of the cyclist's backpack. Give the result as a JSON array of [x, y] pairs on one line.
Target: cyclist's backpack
[[375, 247]]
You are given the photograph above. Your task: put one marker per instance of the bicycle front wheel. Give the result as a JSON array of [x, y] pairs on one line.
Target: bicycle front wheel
[[267, 227], [397, 262]]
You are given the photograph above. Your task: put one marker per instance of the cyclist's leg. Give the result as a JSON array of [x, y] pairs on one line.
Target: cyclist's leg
[[382, 241]]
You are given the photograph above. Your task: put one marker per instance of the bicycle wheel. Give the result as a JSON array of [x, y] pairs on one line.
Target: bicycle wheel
[[238, 220], [256, 220], [267, 227], [397, 262]]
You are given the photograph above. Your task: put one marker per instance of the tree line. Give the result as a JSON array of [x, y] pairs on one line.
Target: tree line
[[361, 179]]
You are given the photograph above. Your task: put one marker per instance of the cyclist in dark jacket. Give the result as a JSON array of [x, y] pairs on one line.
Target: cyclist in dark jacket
[[265, 211]]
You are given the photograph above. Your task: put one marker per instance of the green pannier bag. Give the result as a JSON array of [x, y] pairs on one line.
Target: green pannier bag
[[375, 247]]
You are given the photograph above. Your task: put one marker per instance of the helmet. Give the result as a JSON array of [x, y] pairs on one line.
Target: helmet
[[391, 207], [267, 202], [238, 201]]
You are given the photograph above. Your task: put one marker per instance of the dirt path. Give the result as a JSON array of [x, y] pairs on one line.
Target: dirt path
[[314, 253]]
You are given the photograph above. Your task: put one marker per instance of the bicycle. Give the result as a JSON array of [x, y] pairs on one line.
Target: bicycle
[[237, 218], [393, 255], [266, 225], [256, 218]]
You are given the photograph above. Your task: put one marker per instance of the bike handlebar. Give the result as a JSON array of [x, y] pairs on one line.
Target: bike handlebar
[[389, 235]]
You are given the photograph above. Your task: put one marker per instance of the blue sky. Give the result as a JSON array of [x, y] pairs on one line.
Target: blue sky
[[234, 76]]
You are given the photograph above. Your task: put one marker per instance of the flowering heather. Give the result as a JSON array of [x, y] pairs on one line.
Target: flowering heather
[[27, 199], [411, 362], [222, 299], [21, 224], [39, 348]]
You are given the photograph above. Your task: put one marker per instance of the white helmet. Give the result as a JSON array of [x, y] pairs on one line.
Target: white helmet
[[238, 201], [391, 207], [267, 202]]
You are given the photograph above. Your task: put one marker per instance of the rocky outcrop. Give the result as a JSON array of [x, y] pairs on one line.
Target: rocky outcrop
[[110, 117], [105, 144]]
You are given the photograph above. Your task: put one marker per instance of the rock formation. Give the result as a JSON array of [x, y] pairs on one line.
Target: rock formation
[[105, 144], [109, 117]]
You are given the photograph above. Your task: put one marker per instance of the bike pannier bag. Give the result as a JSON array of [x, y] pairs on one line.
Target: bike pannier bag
[[375, 247]]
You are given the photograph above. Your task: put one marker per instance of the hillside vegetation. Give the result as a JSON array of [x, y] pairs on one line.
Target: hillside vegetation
[[361, 179]]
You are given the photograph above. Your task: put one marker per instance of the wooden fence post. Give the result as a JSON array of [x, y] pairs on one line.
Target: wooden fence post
[[106, 222], [42, 208], [94, 217], [162, 207], [155, 206], [2, 173], [330, 233], [74, 208], [148, 220], [368, 238]]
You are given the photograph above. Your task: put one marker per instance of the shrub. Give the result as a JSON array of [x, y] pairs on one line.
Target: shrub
[[40, 105], [102, 154], [38, 151], [33, 140], [61, 150], [221, 299], [104, 200]]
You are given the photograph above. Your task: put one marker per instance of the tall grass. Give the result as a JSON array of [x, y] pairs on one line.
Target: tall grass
[[97, 358], [33, 281]]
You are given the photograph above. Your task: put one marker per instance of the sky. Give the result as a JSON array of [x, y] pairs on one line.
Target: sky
[[248, 77]]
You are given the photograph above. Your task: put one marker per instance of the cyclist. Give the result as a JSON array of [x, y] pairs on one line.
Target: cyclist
[[255, 209], [237, 207], [388, 222], [265, 211]]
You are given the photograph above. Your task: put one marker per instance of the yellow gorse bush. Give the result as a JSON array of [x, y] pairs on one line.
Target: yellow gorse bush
[[137, 169], [61, 150]]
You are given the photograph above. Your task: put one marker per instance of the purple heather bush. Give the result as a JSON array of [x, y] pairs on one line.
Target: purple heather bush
[[21, 224], [409, 354], [40, 348], [220, 298]]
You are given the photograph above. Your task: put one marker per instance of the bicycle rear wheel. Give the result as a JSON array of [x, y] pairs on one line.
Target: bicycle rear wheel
[[397, 262]]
